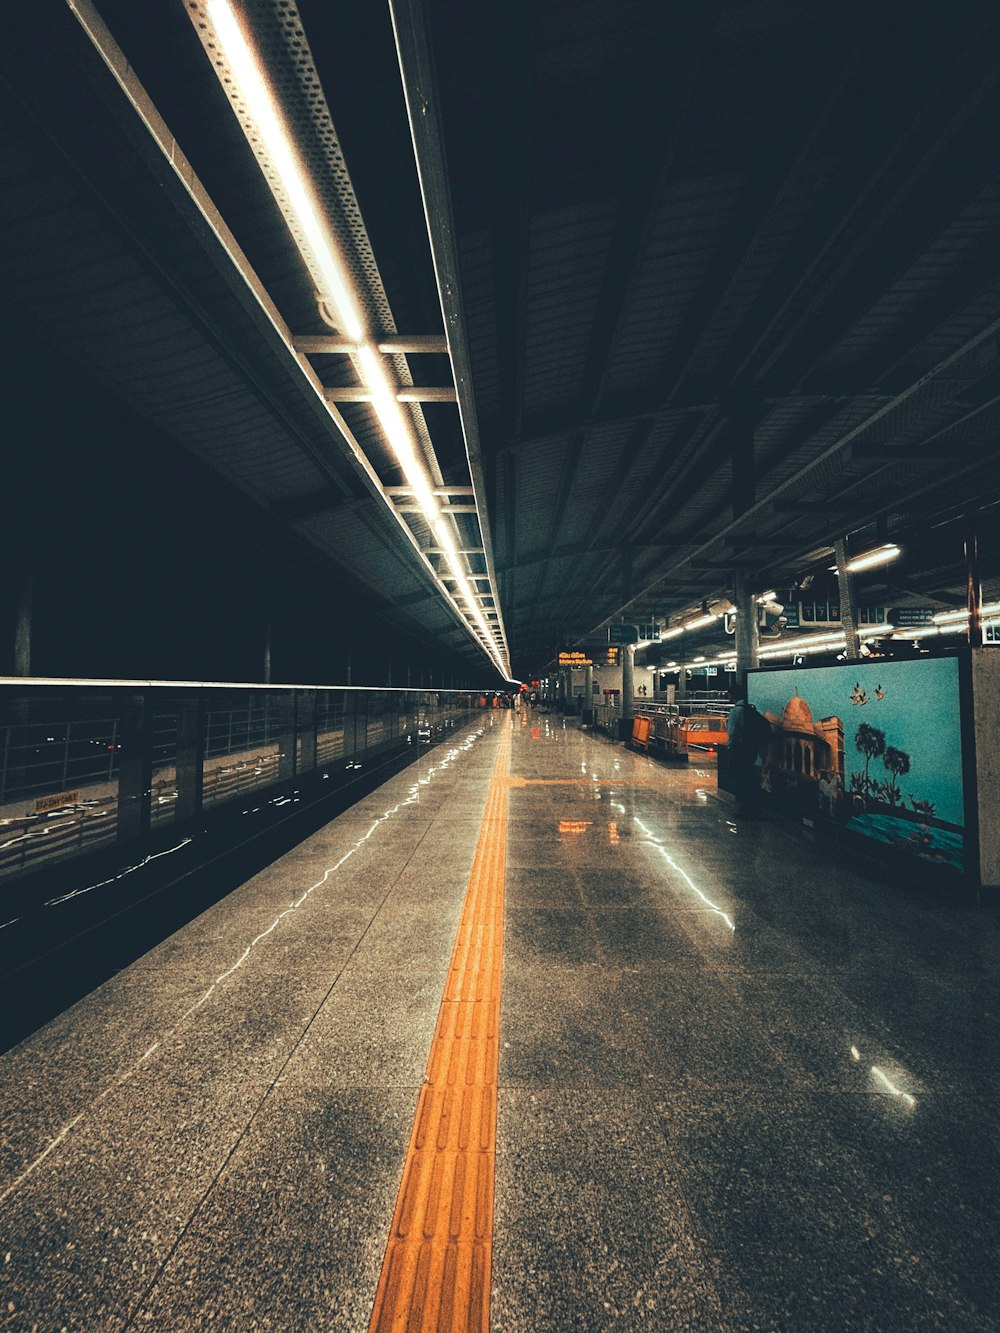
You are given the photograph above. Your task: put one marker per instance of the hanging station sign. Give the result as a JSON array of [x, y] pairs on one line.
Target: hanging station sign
[[575, 660], [911, 617], [623, 634]]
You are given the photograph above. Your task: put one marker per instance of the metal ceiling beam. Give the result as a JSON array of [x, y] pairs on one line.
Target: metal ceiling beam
[[422, 104], [358, 393], [567, 475], [507, 46], [620, 409], [315, 502], [644, 163], [323, 344], [785, 149], [990, 331], [823, 259]]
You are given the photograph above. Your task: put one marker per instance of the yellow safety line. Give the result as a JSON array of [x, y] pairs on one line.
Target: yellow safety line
[[436, 1273], [590, 782]]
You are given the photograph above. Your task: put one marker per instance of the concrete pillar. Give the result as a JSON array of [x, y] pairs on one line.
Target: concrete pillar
[[628, 684], [588, 694], [747, 643], [848, 606], [682, 686], [974, 587]]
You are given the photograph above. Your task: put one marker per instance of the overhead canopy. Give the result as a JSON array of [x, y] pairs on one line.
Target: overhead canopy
[[719, 284]]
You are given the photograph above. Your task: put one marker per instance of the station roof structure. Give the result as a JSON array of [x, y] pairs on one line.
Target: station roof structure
[[631, 295]]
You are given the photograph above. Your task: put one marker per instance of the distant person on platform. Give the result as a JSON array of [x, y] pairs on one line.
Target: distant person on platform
[[745, 731]]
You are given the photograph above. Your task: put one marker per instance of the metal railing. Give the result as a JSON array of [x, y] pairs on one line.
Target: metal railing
[[85, 764]]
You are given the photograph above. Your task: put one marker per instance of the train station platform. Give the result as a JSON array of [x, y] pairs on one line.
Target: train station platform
[[537, 1035]]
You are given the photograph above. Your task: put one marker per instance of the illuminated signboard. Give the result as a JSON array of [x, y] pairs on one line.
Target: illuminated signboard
[[574, 660]]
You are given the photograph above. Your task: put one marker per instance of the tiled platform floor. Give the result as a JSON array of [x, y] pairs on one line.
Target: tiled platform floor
[[741, 1087]]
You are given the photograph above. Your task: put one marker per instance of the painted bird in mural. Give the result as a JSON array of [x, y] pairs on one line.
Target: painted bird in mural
[[879, 692], [859, 696]]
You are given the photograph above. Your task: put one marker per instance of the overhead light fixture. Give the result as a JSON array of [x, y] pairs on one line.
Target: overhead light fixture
[[960, 617], [320, 252], [881, 555], [326, 265], [699, 622]]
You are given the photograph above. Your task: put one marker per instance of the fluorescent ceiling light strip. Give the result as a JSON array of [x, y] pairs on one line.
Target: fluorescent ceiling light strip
[[326, 268], [699, 623], [882, 555], [960, 617], [267, 119]]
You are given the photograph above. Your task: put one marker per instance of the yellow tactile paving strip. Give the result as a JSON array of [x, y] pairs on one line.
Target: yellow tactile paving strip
[[583, 781], [436, 1273]]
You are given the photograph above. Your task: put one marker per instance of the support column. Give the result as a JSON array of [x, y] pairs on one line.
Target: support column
[[588, 694], [974, 587], [747, 642], [848, 606], [628, 687]]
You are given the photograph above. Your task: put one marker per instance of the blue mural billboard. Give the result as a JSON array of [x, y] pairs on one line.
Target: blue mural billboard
[[875, 746]]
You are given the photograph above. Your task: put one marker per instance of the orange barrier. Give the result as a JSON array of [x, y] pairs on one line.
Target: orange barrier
[[640, 731]]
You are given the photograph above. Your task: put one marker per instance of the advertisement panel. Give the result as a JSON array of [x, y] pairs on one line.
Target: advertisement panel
[[876, 747]]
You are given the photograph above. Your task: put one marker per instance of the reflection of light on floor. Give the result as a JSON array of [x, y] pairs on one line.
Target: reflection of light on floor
[[886, 1082], [655, 842], [574, 825], [412, 797], [77, 893], [613, 837], [891, 1087]]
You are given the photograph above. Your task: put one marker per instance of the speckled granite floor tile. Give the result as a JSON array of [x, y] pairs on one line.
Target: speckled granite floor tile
[[592, 1227]]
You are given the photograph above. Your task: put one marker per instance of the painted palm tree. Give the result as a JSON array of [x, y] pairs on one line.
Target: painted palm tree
[[870, 742], [898, 763]]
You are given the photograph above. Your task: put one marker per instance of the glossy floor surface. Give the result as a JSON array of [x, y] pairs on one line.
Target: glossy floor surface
[[740, 1086]]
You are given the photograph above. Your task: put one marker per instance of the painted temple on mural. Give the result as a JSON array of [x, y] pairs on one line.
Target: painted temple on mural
[[804, 750]]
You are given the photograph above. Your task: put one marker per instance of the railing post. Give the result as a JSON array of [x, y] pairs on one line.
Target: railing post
[[286, 736], [191, 740], [305, 711], [135, 767], [352, 721]]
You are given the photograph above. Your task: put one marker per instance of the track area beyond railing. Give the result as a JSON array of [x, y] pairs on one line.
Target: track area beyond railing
[[87, 764]]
